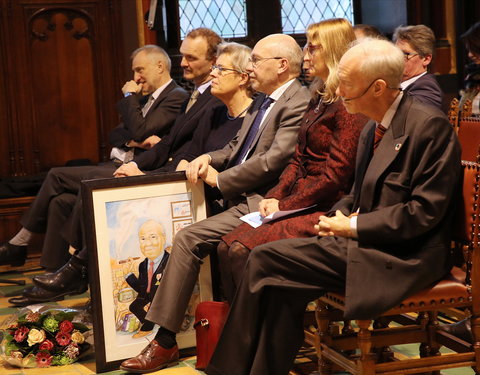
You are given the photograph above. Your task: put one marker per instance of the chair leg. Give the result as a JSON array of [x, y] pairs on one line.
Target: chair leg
[[384, 353], [366, 362], [322, 336], [475, 324]]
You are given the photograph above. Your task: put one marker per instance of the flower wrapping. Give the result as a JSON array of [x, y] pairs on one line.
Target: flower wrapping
[[42, 336]]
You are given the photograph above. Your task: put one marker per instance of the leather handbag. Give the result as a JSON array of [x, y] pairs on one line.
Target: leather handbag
[[210, 317]]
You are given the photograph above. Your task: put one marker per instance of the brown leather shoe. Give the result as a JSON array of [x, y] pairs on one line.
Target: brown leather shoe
[[152, 358]]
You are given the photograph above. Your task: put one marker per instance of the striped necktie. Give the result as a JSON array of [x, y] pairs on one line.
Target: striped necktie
[[379, 132]]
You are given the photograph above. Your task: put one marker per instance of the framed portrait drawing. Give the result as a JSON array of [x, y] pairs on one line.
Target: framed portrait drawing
[[130, 224]]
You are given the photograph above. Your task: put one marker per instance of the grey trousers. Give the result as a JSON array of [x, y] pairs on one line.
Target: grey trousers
[[190, 246]]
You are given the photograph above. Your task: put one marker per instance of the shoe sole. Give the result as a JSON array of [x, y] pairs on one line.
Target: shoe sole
[[140, 371]]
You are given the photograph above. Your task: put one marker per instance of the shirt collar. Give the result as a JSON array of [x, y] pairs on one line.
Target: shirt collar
[[277, 93], [408, 82], [158, 91], [388, 116], [203, 86]]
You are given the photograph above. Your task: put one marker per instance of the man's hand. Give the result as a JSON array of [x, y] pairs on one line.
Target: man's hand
[[132, 86], [182, 165], [148, 143], [338, 225], [126, 170], [210, 177], [268, 206], [197, 168]]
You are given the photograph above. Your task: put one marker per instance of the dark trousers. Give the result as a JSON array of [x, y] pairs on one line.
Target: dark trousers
[[50, 211], [264, 329]]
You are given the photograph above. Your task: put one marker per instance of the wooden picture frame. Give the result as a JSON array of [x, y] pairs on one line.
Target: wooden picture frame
[[115, 209]]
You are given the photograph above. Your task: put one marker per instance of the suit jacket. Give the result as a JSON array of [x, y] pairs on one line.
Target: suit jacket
[[427, 90], [158, 121], [140, 283], [180, 136], [404, 196], [271, 149]]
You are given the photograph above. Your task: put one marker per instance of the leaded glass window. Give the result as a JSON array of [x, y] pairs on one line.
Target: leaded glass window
[[298, 14], [226, 17]]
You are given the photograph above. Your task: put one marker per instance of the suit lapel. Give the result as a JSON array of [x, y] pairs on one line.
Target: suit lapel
[[277, 106], [387, 151], [161, 97], [365, 150], [199, 104], [247, 123]]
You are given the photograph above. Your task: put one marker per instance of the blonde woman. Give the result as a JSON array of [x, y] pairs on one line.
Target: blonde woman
[[321, 170]]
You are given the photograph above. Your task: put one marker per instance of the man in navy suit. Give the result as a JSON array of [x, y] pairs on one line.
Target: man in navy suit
[[418, 45], [151, 238]]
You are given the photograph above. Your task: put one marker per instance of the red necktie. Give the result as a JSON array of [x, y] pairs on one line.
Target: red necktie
[[379, 132], [150, 276]]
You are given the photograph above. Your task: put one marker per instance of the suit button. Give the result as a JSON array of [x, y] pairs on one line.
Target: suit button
[[170, 159]]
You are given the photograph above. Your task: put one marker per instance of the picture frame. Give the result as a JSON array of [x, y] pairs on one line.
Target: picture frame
[[120, 214]]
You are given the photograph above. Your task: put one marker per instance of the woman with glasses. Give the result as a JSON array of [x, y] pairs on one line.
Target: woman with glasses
[[230, 84], [322, 168]]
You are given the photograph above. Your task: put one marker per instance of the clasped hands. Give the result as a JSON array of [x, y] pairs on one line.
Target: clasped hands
[[201, 168], [338, 225]]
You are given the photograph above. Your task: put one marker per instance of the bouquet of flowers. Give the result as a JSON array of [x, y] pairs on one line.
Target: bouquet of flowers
[[45, 337]]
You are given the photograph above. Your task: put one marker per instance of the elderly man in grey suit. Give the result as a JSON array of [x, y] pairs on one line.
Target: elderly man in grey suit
[[243, 171], [386, 240]]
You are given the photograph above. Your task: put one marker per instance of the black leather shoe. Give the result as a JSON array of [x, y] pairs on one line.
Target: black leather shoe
[[71, 277], [35, 295], [462, 330], [12, 254]]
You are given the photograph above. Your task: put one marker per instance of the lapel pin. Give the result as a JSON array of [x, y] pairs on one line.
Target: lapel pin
[[398, 146]]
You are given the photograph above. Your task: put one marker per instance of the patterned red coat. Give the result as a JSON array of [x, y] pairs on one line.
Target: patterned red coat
[[320, 172]]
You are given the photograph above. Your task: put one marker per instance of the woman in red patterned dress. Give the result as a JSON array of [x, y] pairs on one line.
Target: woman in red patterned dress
[[321, 170]]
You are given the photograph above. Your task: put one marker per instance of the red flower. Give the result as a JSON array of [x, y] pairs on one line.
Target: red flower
[[63, 338], [46, 345], [44, 359], [21, 334], [66, 326]]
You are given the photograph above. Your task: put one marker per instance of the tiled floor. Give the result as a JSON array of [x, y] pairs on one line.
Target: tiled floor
[[87, 365]]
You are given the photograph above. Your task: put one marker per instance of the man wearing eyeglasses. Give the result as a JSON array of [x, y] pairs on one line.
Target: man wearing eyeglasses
[[417, 44], [243, 171]]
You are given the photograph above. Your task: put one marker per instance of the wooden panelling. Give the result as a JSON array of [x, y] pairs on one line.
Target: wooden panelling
[[63, 65]]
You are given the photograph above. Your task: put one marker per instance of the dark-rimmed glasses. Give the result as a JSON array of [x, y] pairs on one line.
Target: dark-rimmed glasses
[[408, 55], [311, 48]]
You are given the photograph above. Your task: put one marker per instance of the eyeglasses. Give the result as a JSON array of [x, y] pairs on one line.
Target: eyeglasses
[[222, 70], [310, 48], [408, 55], [257, 60]]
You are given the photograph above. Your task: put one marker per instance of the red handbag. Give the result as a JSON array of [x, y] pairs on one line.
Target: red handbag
[[210, 317]]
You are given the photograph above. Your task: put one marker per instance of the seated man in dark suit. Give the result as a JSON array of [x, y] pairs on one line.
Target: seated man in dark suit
[[148, 110], [386, 240], [243, 171], [418, 45]]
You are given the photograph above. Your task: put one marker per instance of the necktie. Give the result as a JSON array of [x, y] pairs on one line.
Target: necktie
[[150, 276], [379, 132], [193, 99], [252, 132], [147, 105]]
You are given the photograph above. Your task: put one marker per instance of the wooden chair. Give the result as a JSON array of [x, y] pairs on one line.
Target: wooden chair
[[362, 350], [469, 137]]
